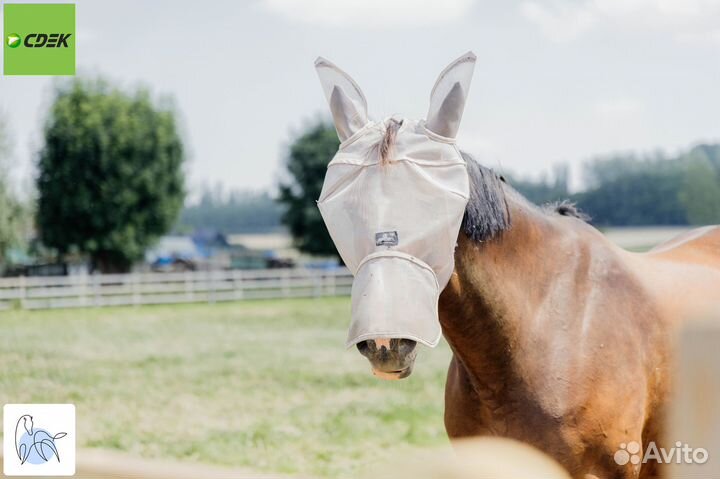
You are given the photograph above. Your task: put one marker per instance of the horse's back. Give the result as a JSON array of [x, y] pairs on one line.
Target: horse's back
[[684, 273], [700, 245]]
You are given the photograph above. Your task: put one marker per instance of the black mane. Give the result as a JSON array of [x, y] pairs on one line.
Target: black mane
[[487, 214]]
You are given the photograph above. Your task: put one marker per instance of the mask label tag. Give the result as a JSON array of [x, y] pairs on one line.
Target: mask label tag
[[386, 238]]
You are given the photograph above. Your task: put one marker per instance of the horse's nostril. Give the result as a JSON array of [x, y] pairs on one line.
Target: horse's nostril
[[406, 346], [364, 348], [383, 351]]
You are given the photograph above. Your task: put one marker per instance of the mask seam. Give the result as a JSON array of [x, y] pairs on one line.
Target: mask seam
[[364, 163], [400, 255], [435, 137], [367, 336], [352, 138]]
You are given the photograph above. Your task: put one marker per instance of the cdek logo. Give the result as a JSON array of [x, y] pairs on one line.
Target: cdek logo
[[40, 40]]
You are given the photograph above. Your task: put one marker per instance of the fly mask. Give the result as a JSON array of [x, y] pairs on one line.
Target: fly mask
[[394, 213]]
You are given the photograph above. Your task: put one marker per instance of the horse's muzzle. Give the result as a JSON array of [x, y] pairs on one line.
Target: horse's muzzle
[[390, 358]]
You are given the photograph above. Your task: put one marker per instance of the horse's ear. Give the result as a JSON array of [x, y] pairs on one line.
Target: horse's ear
[[447, 100], [347, 102]]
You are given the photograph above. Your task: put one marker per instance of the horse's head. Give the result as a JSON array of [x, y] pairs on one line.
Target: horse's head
[[28, 423], [393, 201]]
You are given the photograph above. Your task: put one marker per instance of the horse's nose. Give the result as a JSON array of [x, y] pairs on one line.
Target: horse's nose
[[374, 347]]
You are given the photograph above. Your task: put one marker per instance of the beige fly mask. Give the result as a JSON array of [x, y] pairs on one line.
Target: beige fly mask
[[395, 221]]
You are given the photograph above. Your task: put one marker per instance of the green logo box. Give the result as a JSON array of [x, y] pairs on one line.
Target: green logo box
[[39, 39]]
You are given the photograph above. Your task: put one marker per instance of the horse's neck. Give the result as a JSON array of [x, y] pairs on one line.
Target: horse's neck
[[495, 287]]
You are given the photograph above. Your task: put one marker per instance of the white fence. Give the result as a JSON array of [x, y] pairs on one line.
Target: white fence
[[162, 288]]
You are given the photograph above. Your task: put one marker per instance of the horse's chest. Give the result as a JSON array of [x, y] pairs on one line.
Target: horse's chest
[[497, 408]]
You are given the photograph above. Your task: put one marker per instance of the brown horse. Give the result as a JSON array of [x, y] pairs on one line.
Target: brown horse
[[560, 338]]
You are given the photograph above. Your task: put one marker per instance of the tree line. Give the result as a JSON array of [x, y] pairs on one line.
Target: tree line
[[631, 190], [233, 211], [111, 180], [619, 190]]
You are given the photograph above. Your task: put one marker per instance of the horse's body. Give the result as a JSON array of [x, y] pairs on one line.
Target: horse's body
[[560, 338], [564, 340]]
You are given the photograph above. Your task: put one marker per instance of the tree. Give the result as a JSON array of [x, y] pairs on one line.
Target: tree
[[711, 152], [306, 164], [700, 191], [110, 173], [13, 214], [638, 199]]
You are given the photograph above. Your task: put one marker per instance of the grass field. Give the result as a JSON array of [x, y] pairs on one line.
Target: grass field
[[261, 385]]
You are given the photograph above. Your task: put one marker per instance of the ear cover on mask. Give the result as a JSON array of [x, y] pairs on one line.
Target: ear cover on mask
[[448, 97], [347, 102]]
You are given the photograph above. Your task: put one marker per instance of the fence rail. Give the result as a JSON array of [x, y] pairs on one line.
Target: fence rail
[[163, 288]]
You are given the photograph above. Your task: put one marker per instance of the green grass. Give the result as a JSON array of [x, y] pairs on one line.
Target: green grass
[[261, 385]]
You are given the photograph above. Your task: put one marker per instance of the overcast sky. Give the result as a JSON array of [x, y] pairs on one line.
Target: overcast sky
[[555, 80]]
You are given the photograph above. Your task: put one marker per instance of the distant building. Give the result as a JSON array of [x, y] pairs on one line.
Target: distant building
[[279, 243], [175, 253], [263, 250], [210, 242], [209, 249]]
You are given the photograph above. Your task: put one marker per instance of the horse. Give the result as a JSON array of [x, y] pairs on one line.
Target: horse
[[560, 338]]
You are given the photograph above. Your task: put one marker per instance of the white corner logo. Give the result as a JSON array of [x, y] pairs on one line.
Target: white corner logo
[[39, 440]]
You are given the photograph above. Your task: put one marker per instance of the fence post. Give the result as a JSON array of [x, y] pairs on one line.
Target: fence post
[[238, 286], [83, 290], [211, 288], [285, 282], [96, 289], [23, 292], [135, 288], [316, 280], [333, 282], [694, 414], [189, 287]]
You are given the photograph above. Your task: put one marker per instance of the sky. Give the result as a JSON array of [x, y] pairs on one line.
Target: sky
[[555, 81]]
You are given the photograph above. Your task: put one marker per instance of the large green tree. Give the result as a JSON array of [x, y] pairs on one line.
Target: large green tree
[[111, 177], [306, 164]]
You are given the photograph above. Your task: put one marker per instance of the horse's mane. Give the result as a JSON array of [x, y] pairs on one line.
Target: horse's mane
[[566, 208], [487, 214]]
